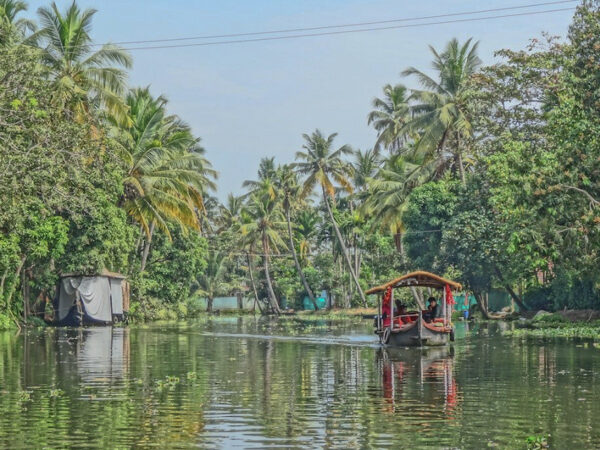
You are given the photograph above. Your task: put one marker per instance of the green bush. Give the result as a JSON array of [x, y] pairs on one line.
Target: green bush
[[550, 319], [6, 322], [36, 322]]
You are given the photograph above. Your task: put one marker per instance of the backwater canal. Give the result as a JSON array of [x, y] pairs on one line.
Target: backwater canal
[[252, 382]]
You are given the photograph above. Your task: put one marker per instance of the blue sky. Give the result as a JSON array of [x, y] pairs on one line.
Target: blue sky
[[252, 100]]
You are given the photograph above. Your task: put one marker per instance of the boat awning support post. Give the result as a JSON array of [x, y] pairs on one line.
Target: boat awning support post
[[392, 311], [379, 314], [445, 307]]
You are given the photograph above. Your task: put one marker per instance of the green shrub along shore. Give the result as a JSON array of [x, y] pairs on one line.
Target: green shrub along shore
[[486, 174], [555, 325]]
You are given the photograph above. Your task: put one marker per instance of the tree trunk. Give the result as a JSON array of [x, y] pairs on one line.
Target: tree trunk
[[417, 298], [26, 291], [483, 306], [272, 297], [147, 248], [13, 284], [296, 262], [240, 300], [459, 160], [344, 250], [399, 243], [516, 298], [251, 272], [461, 168], [209, 304]]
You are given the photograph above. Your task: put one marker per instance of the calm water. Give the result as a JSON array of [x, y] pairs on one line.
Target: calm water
[[252, 383]]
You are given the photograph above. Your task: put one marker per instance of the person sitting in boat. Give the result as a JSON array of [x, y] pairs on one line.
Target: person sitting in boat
[[432, 311], [402, 313]]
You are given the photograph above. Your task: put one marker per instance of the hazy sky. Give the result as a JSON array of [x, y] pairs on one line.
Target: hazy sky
[[252, 100]]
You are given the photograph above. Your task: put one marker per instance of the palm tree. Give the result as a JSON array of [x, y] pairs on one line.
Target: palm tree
[[84, 79], [11, 27], [321, 164], [306, 231], [440, 110], [388, 195], [365, 166], [229, 213], [390, 116], [290, 191], [266, 179], [167, 173], [265, 226], [210, 283]]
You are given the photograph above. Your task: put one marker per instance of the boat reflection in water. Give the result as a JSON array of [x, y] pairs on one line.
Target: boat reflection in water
[[419, 378], [101, 354]]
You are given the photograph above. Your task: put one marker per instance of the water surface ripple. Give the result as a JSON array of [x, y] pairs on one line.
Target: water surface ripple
[[251, 383]]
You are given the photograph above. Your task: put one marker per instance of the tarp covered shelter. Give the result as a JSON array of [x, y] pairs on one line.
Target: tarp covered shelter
[[96, 299]]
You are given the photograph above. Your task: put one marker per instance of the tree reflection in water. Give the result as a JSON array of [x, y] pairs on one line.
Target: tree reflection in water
[[255, 383]]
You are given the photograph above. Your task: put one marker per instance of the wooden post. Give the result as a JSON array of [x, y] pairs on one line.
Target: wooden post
[[379, 313], [445, 313], [392, 311], [420, 325]]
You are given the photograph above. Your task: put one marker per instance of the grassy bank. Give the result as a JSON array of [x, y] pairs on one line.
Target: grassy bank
[[554, 325]]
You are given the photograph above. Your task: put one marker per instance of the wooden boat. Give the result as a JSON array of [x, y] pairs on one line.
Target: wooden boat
[[411, 329]]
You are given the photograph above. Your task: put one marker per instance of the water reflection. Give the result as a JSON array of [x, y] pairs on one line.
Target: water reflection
[[430, 370], [102, 354], [255, 383]]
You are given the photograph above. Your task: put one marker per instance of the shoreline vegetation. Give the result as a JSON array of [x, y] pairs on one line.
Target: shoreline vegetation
[[485, 174], [557, 325]]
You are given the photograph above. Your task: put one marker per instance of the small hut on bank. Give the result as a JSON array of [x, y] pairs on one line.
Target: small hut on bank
[[86, 300]]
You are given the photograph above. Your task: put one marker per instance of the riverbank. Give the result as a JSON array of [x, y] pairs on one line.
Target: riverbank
[[557, 325]]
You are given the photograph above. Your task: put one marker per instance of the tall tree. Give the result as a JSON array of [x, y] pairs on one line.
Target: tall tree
[[306, 230], [211, 281], [84, 79], [322, 166], [265, 226], [167, 173], [365, 166], [290, 191], [388, 197], [440, 111], [266, 178], [13, 28], [390, 116]]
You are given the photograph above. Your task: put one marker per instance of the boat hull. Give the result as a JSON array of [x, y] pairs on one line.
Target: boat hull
[[416, 334]]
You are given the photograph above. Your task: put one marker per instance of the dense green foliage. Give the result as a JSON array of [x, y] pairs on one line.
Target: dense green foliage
[[487, 174]]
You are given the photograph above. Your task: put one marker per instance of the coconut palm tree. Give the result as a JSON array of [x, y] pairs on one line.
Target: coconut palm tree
[[266, 225], [306, 231], [85, 79], [167, 173], [390, 116], [290, 191], [323, 166], [365, 166], [229, 213], [13, 28], [210, 283], [388, 195], [439, 112], [266, 179]]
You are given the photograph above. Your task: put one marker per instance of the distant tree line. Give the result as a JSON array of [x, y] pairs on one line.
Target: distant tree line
[[487, 174]]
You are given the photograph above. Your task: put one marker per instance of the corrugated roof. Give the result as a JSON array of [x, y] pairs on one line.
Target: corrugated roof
[[418, 278]]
